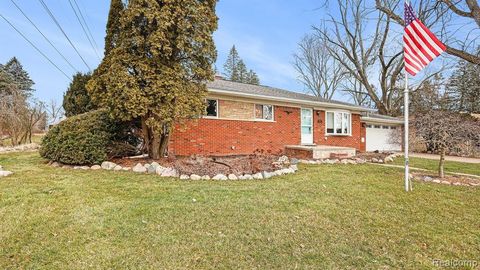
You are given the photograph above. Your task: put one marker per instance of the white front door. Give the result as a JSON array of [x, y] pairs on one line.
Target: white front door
[[307, 126]]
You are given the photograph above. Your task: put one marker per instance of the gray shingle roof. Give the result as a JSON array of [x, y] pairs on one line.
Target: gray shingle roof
[[236, 87]]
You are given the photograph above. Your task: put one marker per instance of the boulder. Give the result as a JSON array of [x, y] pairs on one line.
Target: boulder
[[374, 160], [206, 177], [220, 177], [266, 175], [283, 159], [155, 165], [107, 165], [96, 167], [126, 169], [427, 179], [169, 172], [294, 161], [55, 164], [457, 184], [184, 177], [248, 177], [152, 169], [257, 176], [232, 177], [436, 181], [241, 177], [294, 167], [139, 168], [388, 159], [446, 183], [195, 177], [117, 168], [5, 173], [279, 172], [159, 170]]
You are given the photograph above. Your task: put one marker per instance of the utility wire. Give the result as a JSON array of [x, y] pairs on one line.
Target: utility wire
[[85, 23], [83, 28], [36, 48], [43, 35], [63, 32]]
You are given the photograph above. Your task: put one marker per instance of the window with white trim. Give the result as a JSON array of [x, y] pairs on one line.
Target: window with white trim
[[264, 112], [338, 123], [212, 108]]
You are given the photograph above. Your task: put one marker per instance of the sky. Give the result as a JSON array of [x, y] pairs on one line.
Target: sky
[[265, 32]]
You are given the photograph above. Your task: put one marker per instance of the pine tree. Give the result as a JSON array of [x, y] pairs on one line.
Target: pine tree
[[158, 69], [464, 87], [235, 69], [231, 65], [19, 76], [113, 24], [76, 100]]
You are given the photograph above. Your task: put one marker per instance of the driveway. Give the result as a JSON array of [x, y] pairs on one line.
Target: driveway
[[448, 158]]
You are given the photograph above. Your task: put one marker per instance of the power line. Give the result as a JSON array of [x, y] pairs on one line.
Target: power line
[[83, 28], [49, 12], [85, 23], [36, 48], [43, 35]]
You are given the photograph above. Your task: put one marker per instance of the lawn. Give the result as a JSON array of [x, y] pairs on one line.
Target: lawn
[[324, 217], [36, 138], [450, 166]]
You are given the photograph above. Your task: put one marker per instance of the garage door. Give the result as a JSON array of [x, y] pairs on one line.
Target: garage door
[[379, 138]]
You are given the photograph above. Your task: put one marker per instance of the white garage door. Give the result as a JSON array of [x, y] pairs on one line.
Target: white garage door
[[379, 138]]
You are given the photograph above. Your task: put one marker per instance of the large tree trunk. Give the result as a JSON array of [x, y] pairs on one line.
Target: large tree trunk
[[441, 172], [154, 144]]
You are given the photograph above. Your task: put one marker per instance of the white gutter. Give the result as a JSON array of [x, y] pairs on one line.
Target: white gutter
[[291, 100], [380, 120]]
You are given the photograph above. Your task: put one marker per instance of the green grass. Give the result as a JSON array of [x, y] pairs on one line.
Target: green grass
[[450, 166], [324, 217]]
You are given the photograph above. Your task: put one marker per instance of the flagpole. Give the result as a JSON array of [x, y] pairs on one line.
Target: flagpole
[[406, 129]]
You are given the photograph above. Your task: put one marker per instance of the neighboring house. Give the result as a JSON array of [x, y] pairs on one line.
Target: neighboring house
[[243, 118]]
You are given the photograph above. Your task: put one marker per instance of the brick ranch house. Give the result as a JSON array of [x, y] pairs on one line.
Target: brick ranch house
[[243, 118]]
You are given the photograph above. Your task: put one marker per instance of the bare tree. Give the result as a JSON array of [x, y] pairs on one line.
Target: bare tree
[[450, 19], [356, 91], [362, 41], [54, 111], [318, 70], [445, 131]]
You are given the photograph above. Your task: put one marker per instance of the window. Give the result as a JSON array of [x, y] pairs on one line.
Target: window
[[394, 128], [339, 123], [264, 112], [376, 126], [385, 127], [212, 108]]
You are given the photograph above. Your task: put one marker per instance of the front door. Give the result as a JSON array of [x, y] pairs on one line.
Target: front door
[[307, 126]]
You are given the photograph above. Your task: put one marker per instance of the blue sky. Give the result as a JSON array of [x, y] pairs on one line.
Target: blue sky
[[266, 33]]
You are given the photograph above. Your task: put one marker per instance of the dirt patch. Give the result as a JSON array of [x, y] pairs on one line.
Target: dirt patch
[[200, 165]]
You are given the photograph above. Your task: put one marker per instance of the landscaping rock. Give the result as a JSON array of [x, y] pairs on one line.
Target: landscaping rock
[[107, 165], [446, 183], [232, 177], [248, 177], [293, 161], [159, 170], [5, 173], [474, 184], [257, 176], [126, 169], [427, 179], [436, 181], [344, 161], [266, 175], [96, 167], [294, 167], [388, 159], [195, 177], [169, 172], [155, 165], [117, 168], [139, 168], [220, 177], [55, 164], [184, 177], [283, 159], [374, 160], [457, 184], [206, 177], [152, 169]]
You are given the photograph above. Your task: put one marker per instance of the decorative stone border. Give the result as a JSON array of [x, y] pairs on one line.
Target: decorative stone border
[[157, 169], [352, 161], [19, 148], [430, 179]]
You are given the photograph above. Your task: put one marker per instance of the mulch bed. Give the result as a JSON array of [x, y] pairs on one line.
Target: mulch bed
[[370, 155], [452, 179], [200, 165]]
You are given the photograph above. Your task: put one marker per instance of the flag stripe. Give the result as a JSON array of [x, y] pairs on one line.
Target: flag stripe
[[413, 57], [418, 44], [433, 44], [424, 45], [433, 37], [412, 63], [415, 51]]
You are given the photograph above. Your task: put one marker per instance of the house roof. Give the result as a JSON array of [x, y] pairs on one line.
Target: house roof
[[381, 119], [221, 86]]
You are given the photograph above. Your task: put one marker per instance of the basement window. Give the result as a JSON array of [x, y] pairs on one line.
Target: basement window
[[264, 112], [338, 123], [212, 108]]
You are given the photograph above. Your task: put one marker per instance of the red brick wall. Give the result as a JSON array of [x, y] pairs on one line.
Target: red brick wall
[[233, 137]]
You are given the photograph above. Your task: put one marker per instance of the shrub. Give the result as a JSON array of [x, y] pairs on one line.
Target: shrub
[[81, 140]]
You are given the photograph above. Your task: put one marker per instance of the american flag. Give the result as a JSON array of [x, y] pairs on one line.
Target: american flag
[[420, 44]]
